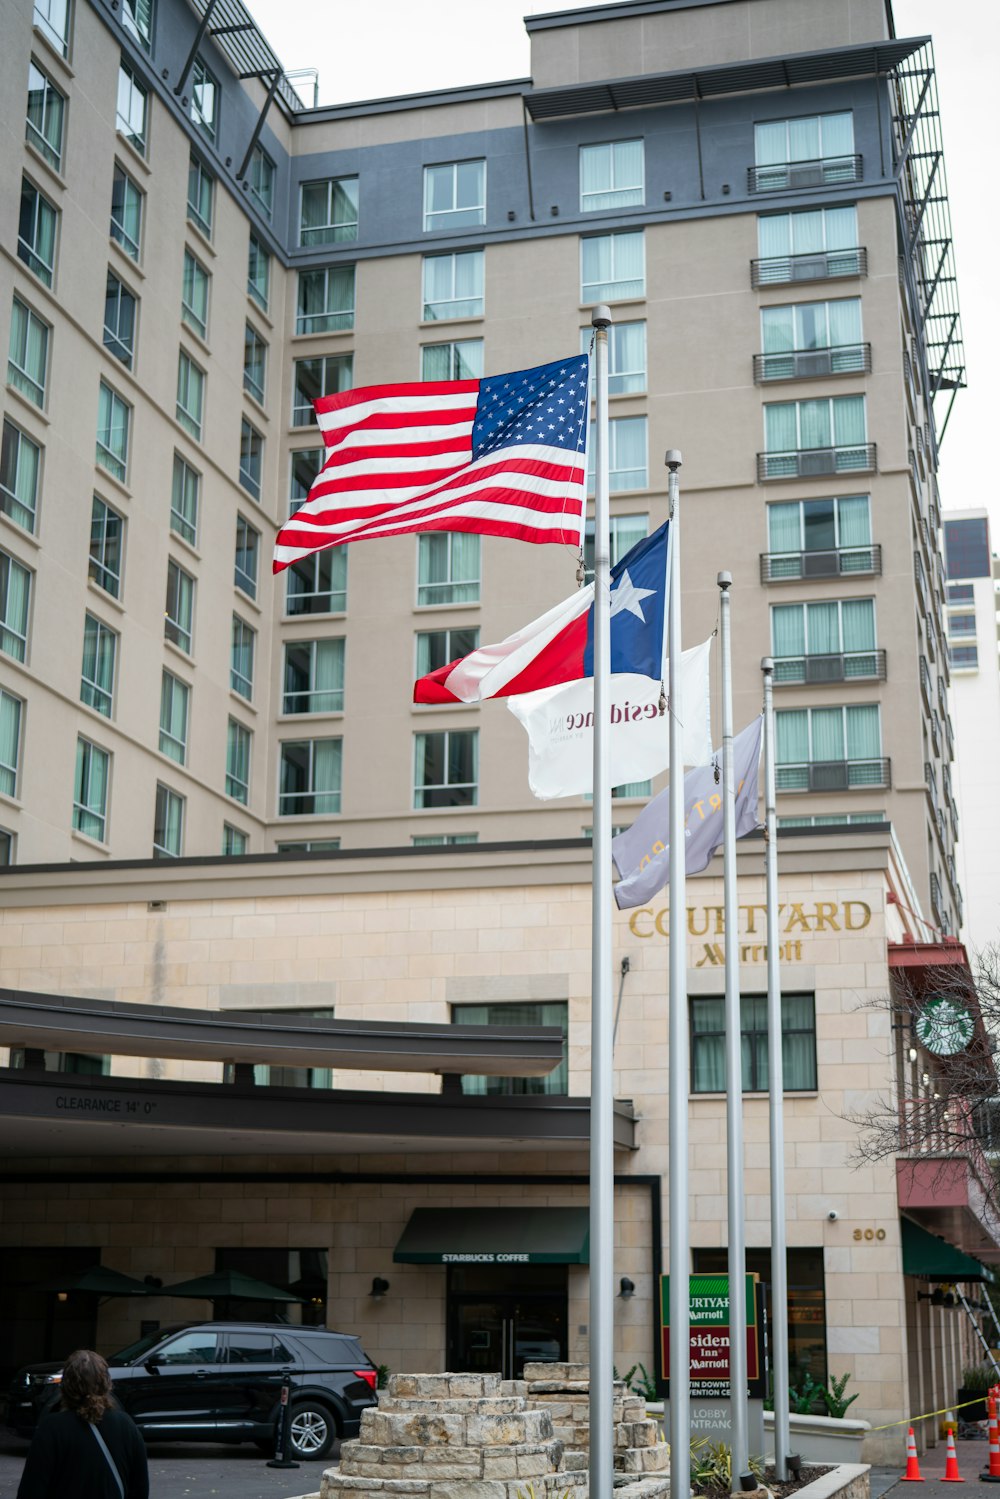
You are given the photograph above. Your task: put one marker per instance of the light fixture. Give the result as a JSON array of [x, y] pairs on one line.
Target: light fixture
[[379, 1288], [62, 1295], [913, 1053], [626, 1288]]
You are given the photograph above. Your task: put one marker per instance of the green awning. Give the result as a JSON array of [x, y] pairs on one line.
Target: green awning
[[930, 1258], [495, 1236]]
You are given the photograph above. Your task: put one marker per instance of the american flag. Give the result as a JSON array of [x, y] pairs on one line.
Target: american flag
[[502, 456]]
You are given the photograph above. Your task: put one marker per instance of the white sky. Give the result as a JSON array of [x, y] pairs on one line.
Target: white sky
[[385, 47]]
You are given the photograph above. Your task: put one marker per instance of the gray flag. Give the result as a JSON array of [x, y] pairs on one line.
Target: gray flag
[[641, 853]]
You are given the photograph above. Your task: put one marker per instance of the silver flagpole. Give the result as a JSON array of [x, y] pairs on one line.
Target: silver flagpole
[[776, 1099], [678, 1080], [602, 1159], [734, 1065]]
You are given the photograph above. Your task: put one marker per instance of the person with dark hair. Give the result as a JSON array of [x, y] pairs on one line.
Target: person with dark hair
[[89, 1448]]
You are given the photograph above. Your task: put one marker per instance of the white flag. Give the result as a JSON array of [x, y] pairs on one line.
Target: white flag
[[560, 720]]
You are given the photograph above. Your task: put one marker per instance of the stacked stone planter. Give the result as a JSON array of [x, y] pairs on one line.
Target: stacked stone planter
[[476, 1436]]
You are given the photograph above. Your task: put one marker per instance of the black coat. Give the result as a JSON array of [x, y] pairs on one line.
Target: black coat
[[65, 1459]]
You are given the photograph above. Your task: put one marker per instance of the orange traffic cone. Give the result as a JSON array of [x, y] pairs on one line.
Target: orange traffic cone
[[992, 1474], [951, 1473], [912, 1474]]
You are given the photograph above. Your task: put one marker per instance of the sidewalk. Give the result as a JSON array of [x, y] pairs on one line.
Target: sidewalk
[[973, 1459]]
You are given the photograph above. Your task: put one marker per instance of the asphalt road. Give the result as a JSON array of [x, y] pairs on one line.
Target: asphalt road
[[194, 1470]]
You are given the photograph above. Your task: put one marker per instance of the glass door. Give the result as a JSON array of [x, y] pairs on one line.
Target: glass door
[[500, 1333]]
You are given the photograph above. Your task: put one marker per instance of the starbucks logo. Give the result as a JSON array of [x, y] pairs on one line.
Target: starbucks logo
[[945, 1026]]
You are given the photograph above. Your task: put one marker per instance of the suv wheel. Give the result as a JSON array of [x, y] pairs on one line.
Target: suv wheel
[[311, 1430]]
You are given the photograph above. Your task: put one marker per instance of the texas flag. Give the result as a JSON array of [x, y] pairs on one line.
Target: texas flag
[[559, 647]]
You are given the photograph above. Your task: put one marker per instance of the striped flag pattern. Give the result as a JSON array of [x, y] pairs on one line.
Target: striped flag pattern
[[502, 456]]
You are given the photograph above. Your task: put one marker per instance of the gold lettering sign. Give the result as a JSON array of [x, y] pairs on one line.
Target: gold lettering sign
[[795, 918]]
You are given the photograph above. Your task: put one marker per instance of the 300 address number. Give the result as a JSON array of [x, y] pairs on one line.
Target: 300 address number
[[869, 1233]]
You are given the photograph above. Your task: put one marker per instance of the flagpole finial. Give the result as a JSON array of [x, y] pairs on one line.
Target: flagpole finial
[[601, 316], [673, 459], [767, 665], [725, 580]]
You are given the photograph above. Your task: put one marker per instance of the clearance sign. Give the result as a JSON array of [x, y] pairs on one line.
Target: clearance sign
[[709, 1308]]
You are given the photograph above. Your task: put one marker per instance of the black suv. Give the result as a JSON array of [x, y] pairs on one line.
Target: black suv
[[221, 1382]]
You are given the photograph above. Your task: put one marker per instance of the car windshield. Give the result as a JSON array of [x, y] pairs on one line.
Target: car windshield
[[135, 1351]]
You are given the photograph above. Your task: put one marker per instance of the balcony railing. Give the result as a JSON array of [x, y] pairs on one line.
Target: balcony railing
[[776, 567], [818, 265], [809, 463], [930, 636], [835, 775], [841, 666], [811, 364], [930, 781], [925, 682], [943, 1126], [936, 905], [822, 171], [921, 581]]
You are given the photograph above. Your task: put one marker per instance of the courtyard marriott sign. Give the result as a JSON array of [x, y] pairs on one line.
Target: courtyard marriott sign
[[796, 919]]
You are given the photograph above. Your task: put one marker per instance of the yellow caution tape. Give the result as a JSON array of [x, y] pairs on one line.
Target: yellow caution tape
[[909, 1420]]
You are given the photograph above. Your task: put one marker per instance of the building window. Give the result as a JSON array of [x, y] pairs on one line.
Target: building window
[[454, 195], [168, 824], [626, 532], [254, 363], [326, 300], [107, 535], [137, 18], [10, 742], [46, 113], [960, 593], [178, 623], [815, 538], [15, 598], [234, 841], [310, 777], [238, 762], [626, 357], [251, 458], [241, 658], [201, 194], [258, 273], [247, 557], [611, 176], [967, 548], [446, 769], [97, 676], [194, 295], [52, 18], [329, 212], [184, 497], [119, 320], [437, 648], [318, 584], [190, 395], [132, 107], [961, 624], [20, 461], [806, 329], [834, 424], [314, 676], [323, 376], [613, 267], [832, 820], [113, 416], [825, 142], [306, 464], [462, 359], [453, 285], [310, 846], [829, 749], [262, 172], [443, 840], [798, 1049], [963, 657], [175, 697], [36, 232], [204, 98], [28, 358], [447, 568], [807, 1318], [6, 848], [555, 1013], [126, 213], [90, 795], [809, 244], [627, 463], [835, 628]]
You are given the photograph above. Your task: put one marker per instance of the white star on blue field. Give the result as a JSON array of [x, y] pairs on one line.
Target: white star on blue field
[[546, 406]]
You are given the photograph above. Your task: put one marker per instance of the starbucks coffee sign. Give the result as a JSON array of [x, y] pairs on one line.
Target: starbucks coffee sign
[[945, 1026]]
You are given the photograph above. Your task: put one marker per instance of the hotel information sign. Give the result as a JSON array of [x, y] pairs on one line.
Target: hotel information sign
[[709, 1307]]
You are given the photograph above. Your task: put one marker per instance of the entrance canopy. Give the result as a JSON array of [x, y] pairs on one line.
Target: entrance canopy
[[496, 1236], [929, 1258]]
